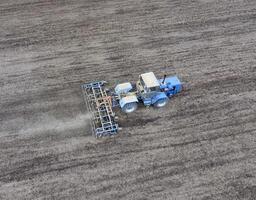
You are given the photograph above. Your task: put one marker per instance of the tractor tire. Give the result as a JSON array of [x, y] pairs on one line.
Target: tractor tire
[[161, 103], [130, 107]]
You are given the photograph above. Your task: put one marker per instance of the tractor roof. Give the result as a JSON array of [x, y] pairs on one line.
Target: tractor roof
[[150, 80]]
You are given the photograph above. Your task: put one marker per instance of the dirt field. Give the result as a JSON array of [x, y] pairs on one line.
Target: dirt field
[[201, 146]]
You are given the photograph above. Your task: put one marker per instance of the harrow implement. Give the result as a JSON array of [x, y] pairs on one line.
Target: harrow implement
[[99, 104]]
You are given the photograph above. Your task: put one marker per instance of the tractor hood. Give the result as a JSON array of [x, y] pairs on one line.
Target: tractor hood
[[171, 82]]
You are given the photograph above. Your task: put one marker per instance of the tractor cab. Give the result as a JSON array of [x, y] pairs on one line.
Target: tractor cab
[[148, 83], [149, 90]]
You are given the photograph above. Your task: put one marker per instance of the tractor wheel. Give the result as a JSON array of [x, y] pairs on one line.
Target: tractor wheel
[[130, 107], [161, 103]]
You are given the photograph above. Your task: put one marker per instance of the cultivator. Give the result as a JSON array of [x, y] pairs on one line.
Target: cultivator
[[99, 104]]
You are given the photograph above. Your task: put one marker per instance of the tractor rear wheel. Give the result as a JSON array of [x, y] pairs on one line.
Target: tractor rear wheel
[[161, 103], [130, 107]]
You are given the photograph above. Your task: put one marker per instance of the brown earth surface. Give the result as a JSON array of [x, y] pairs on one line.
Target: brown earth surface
[[201, 146]]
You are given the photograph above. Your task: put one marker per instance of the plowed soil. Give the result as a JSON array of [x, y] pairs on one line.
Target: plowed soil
[[202, 145]]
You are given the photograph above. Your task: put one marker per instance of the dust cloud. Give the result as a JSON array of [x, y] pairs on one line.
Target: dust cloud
[[47, 123]]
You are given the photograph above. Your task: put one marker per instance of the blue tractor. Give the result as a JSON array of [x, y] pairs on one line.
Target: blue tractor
[[148, 90]]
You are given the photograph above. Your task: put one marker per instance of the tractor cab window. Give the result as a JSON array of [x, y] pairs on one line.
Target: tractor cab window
[[155, 89]]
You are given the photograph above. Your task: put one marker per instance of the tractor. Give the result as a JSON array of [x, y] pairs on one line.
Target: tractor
[[147, 90]]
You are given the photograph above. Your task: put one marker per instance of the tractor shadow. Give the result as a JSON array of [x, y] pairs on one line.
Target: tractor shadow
[[134, 119]]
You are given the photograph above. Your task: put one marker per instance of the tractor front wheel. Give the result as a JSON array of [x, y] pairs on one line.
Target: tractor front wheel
[[161, 103], [130, 107]]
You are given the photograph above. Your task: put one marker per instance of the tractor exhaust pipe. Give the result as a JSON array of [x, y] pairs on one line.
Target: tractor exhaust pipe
[[164, 79]]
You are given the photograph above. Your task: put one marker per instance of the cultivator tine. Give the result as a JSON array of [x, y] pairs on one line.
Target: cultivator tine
[[99, 104]]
